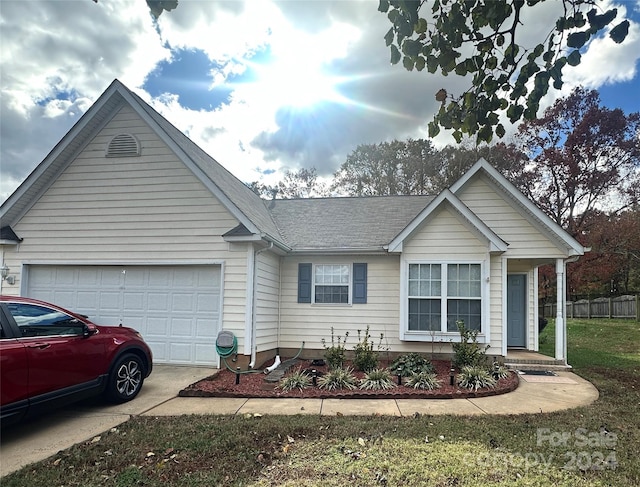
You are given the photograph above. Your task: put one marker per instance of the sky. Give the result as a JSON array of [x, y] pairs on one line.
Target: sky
[[264, 86]]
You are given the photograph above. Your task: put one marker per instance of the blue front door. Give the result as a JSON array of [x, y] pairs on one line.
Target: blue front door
[[516, 310]]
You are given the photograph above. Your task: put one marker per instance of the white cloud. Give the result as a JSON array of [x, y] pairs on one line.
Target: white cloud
[[76, 48]]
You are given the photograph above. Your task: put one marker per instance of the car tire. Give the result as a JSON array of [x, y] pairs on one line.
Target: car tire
[[126, 378]]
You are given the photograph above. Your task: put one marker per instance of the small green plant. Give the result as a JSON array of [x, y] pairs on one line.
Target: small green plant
[[410, 364], [475, 377], [299, 379], [366, 358], [424, 380], [338, 378], [468, 352], [335, 354], [377, 379]]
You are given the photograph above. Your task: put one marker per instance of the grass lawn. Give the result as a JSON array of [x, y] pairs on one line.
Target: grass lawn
[[590, 446]]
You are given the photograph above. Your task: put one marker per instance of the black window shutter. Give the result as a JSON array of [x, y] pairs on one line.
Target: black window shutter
[[359, 283], [304, 283]]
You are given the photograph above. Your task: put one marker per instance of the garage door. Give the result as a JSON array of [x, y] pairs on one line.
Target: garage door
[[176, 308]]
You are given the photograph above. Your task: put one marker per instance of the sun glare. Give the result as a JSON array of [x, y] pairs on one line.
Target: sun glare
[[297, 73]]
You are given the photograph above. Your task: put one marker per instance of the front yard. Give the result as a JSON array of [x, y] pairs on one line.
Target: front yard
[[591, 446]]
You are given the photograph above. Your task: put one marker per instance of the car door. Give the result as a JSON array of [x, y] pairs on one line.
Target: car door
[[58, 353], [14, 370]]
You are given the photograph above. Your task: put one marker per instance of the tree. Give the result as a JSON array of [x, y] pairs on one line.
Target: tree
[[388, 168], [454, 161], [613, 264], [301, 184], [415, 167], [295, 184], [583, 157], [478, 38]]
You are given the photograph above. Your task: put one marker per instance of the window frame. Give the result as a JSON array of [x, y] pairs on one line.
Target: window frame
[[349, 284], [442, 334]]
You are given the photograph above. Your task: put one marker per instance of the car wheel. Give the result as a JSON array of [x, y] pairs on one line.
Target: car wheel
[[126, 378]]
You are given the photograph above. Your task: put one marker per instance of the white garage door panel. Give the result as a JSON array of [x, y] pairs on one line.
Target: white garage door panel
[[176, 308]]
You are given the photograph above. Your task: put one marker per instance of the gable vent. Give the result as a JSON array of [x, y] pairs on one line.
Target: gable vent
[[123, 145]]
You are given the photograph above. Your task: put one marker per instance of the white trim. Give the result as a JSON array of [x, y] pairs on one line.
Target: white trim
[[405, 334], [468, 218], [249, 295], [526, 302], [349, 285], [123, 262], [503, 296], [536, 314], [573, 246], [50, 160], [186, 160]]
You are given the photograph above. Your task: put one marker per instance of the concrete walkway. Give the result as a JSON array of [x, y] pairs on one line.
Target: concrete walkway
[[534, 395], [43, 437]]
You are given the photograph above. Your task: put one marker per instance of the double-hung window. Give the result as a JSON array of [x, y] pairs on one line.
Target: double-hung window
[[440, 294], [331, 284]]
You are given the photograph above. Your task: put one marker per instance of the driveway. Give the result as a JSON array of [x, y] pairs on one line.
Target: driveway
[[39, 438]]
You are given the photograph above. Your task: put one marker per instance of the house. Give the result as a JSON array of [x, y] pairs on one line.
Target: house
[[128, 221]]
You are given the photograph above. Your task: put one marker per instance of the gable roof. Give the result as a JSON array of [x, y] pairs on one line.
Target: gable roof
[[521, 203], [344, 224], [363, 224], [247, 207], [470, 219]]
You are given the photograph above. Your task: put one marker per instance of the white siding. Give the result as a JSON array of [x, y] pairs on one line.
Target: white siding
[[313, 322], [149, 209], [267, 300], [495, 305], [523, 238], [444, 237]]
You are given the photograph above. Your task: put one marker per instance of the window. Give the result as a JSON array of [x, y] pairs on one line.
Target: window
[[332, 283], [425, 286], [441, 294], [40, 321]]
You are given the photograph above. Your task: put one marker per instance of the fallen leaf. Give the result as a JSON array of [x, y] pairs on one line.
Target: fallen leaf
[[361, 441]]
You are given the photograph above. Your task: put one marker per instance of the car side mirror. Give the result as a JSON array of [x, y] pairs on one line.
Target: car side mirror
[[89, 330]]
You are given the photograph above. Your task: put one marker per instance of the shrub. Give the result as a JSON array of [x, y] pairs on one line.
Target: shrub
[[366, 358], [468, 352], [410, 364], [377, 379], [424, 380], [335, 354], [297, 380], [475, 377], [338, 378]]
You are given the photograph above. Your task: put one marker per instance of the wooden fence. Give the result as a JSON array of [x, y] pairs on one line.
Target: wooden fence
[[621, 307]]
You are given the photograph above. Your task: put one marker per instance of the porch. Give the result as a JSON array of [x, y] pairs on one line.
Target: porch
[[526, 359]]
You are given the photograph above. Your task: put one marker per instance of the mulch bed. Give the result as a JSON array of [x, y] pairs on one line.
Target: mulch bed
[[222, 384]]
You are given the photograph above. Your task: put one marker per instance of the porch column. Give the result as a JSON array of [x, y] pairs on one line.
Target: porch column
[[560, 310]]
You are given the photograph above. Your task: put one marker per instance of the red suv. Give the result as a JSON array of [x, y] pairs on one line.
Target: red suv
[[50, 357]]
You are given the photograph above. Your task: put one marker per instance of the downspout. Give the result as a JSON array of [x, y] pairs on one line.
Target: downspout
[[253, 304], [277, 361]]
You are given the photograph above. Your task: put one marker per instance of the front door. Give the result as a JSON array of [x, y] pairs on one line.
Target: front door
[[517, 310]]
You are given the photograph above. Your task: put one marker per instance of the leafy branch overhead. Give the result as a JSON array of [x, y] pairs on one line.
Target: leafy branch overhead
[[477, 38]]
